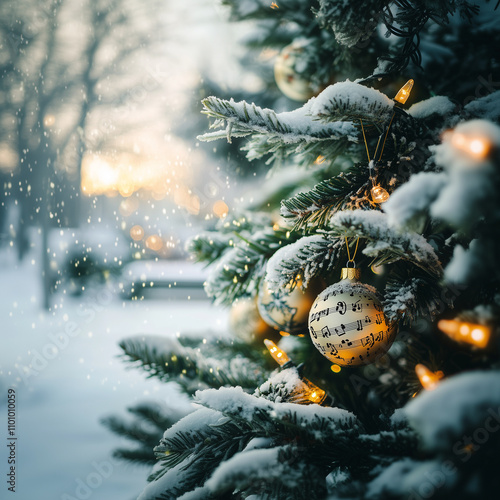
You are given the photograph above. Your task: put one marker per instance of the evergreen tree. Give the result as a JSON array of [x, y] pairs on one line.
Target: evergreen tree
[[403, 184]]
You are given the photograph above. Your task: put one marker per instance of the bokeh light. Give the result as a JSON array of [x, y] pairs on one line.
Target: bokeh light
[[220, 209], [137, 233]]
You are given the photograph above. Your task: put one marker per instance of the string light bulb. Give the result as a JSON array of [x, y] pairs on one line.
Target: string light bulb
[[308, 391], [280, 356], [404, 92], [428, 379], [379, 194], [462, 331], [477, 147], [316, 395]]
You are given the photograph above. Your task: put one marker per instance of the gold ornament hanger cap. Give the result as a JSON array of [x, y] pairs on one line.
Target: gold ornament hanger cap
[[350, 273]]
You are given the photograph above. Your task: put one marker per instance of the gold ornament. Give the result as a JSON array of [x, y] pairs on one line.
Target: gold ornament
[[287, 79], [347, 324], [284, 310], [246, 323]]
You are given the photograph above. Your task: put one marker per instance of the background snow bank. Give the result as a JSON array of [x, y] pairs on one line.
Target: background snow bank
[[64, 394]]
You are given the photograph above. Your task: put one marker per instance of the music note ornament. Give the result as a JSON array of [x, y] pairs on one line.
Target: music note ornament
[[347, 323]]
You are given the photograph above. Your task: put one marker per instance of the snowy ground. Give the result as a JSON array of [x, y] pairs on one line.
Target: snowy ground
[[64, 394]]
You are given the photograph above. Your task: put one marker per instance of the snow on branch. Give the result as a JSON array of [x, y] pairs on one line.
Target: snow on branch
[[239, 270], [180, 465], [351, 22], [277, 134], [349, 101], [456, 408], [169, 360], [316, 422], [386, 240], [316, 206], [279, 472], [245, 469], [436, 105], [410, 203], [208, 246], [306, 258], [487, 107], [407, 298]]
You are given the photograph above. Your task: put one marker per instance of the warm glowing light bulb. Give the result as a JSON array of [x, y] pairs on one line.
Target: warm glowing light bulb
[[477, 147], [464, 329], [477, 335], [379, 194], [335, 368], [311, 392], [317, 395], [404, 92], [461, 331], [458, 140], [274, 5], [278, 355], [428, 379], [319, 160]]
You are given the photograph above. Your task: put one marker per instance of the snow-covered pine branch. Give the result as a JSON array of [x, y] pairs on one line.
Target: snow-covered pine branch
[[461, 194], [408, 206], [486, 108], [316, 206], [458, 407], [238, 272], [277, 472], [436, 105], [208, 246], [151, 420], [306, 258], [187, 454], [278, 134], [384, 240], [309, 421], [192, 369], [350, 101], [351, 22], [409, 297]]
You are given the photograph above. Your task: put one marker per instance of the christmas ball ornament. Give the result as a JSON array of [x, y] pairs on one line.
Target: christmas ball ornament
[[347, 324], [286, 310], [247, 324], [292, 84]]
